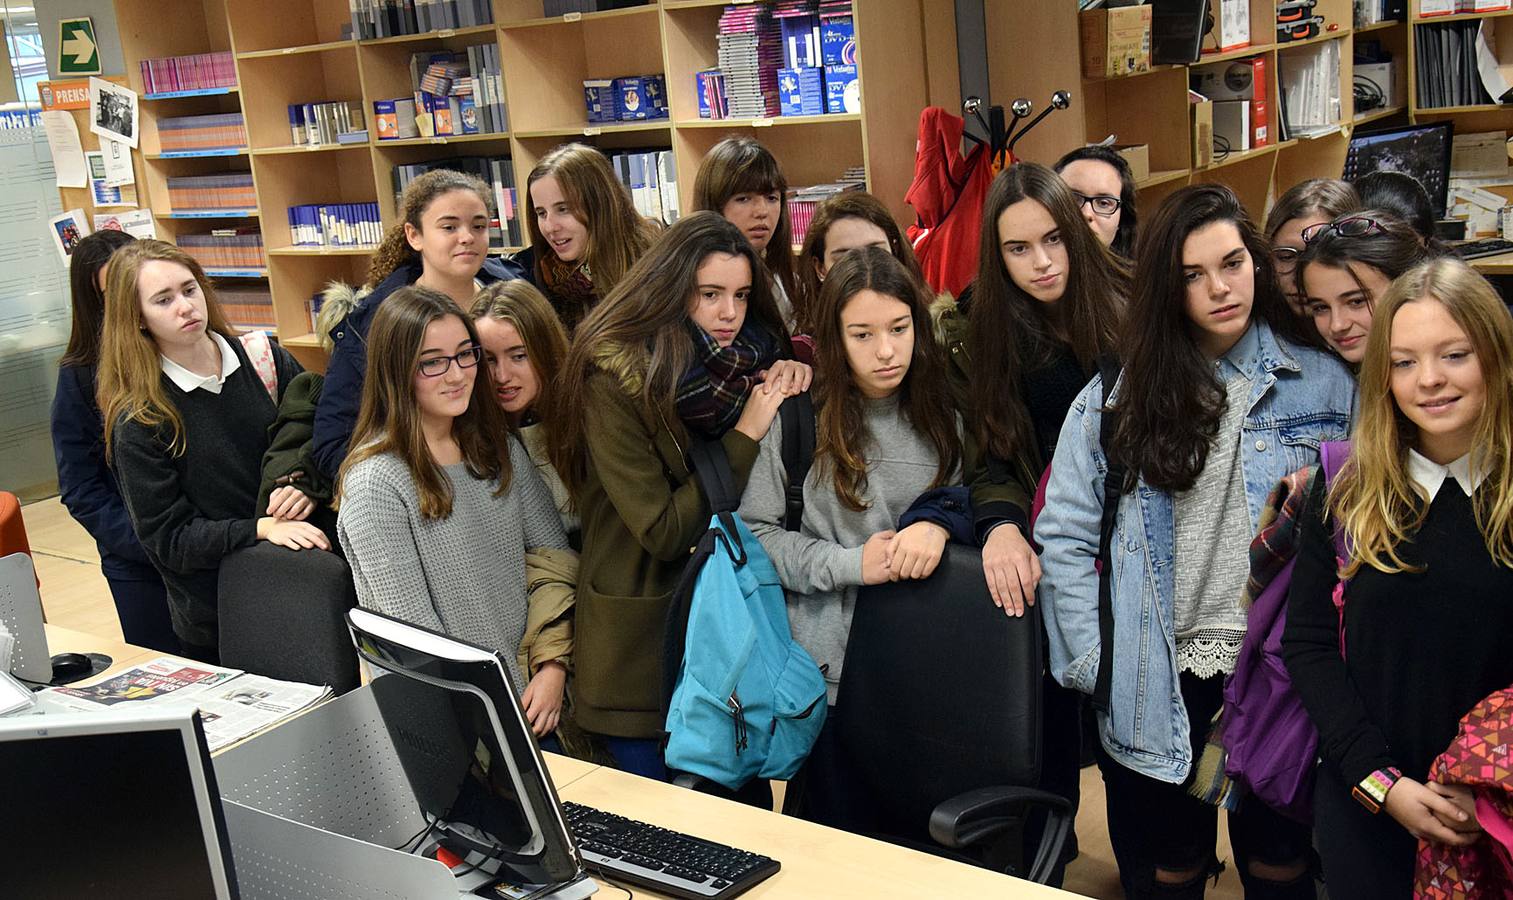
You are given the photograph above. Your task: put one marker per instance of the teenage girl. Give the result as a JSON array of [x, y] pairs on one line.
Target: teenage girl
[[186, 412], [1426, 505], [524, 345], [1346, 269], [841, 224], [1044, 308], [742, 181], [437, 506], [585, 231], [1217, 401], [886, 432], [1105, 189], [441, 243], [1307, 204], [636, 388], [87, 485]]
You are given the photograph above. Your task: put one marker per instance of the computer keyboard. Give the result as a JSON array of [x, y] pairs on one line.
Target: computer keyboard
[[666, 861], [1478, 249]]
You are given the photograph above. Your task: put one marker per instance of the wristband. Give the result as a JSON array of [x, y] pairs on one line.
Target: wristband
[[1372, 791]]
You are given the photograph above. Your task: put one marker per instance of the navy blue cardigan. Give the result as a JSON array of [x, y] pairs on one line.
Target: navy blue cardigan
[[341, 395], [87, 484]]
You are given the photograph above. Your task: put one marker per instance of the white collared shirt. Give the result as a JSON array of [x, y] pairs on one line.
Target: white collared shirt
[[188, 381], [1428, 475]]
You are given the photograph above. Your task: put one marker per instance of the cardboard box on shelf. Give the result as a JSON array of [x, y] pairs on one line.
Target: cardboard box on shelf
[[1115, 41], [1203, 130], [1139, 158], [1231, 29]]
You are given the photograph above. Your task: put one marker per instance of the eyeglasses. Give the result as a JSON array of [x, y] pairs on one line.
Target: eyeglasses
[[1103, 204], [1285, 258], [1349, 226], [437, 366]]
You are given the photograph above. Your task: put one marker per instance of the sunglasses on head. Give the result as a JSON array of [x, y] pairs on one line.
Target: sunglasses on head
[[1348, 226]]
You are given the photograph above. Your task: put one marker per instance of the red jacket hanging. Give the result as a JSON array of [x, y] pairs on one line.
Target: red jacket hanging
[[1479, 757], [947, 195]]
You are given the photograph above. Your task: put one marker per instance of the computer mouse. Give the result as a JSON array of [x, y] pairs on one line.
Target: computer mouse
[[68, 666]]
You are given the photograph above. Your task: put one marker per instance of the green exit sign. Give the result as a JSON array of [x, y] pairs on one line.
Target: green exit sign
[[78, 54]]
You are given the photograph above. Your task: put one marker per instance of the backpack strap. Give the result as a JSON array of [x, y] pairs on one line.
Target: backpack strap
[[1332, 457], [712, 467], [1113, 489], [260, 352], [798, 454]]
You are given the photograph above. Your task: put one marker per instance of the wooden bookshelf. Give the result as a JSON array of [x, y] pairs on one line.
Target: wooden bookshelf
[[301, 51]]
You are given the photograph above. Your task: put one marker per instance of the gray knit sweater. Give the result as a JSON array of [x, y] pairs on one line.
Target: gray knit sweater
[[821, 564], [463, 575]]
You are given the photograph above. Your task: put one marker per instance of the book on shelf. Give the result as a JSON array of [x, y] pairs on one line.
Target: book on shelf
[[652, 177], [323, 124], [228, 191], [220, 131], [233, 704], [803, 202], [199, 72], [335, 225], [247, 306], [629, 98], [226, 248], [1447, 69], [393, 18], [551, 8], [452, 94]]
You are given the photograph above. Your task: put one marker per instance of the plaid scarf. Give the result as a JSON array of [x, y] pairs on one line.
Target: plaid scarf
[[570, 288], [713, 391]]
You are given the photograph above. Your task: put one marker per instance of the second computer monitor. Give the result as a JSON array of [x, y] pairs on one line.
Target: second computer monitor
[[1420, 151]]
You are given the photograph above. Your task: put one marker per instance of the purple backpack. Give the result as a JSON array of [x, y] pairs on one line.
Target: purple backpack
[[1270, 744]]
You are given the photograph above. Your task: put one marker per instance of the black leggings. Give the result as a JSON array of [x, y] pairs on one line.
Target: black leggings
[[1365, 856], [1155, 824]]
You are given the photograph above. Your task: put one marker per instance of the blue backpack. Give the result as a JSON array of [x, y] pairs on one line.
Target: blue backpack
[[748, 701]]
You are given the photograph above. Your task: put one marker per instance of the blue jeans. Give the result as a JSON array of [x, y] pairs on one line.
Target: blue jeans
[[638, 756]]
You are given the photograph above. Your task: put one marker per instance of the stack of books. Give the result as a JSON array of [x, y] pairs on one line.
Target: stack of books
[[335, 225], [563, 7], [222, 131], [628, 99], [497, 172], [750, 53], [322, 124], [453, 94], [392, 18], [229, 192], [201, 72], [226, 248], [804, 201], [838, 54], [652, 177], [246, 306]]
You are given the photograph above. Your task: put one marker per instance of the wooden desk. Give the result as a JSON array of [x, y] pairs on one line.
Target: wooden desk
[[1501, 264], [817, 861]]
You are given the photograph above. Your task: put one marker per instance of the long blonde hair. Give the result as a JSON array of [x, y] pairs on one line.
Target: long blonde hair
[[617, 234], [129, 381], [389, 421], [1373, 498]]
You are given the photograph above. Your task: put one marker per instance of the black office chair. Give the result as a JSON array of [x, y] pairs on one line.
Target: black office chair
[[939, 719], [282, 615]]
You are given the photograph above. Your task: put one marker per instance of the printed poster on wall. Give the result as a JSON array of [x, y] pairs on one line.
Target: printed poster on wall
[[113, 111]]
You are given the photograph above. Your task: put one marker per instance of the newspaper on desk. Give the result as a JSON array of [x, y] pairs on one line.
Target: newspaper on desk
[[233, 704]]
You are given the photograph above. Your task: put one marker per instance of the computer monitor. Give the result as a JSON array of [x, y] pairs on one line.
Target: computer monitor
[[1420, 151], [112, 804], [453, 715]]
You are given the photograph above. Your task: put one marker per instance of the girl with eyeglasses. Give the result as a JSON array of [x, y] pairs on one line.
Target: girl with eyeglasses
[[1045, 306], [1317, 201], [186, 403], [690, 346], [437, 503], [1217, 401], [1347, 266], [1105, 189], [1425, 502]]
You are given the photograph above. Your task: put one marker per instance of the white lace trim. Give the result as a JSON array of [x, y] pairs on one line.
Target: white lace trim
[[1209, 652]]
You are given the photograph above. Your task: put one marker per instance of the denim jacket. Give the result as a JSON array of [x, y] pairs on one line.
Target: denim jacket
[[1300, 397]]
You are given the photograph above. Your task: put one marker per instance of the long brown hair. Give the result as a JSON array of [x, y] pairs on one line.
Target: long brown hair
[[850, 205], [92, 255], [1329, 198], [129, 381], [1169, 400], [389, 421], [1012, 333], [741, 165], [523, 306], [395, 250], [617, 234], [841, 440], [1374, 498], [642, 328]]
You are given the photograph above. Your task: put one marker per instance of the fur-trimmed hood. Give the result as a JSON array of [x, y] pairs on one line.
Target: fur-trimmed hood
[[336, 302], [626, 363]]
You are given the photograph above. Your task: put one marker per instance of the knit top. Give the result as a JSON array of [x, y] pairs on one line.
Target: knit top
[[463, 575]]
